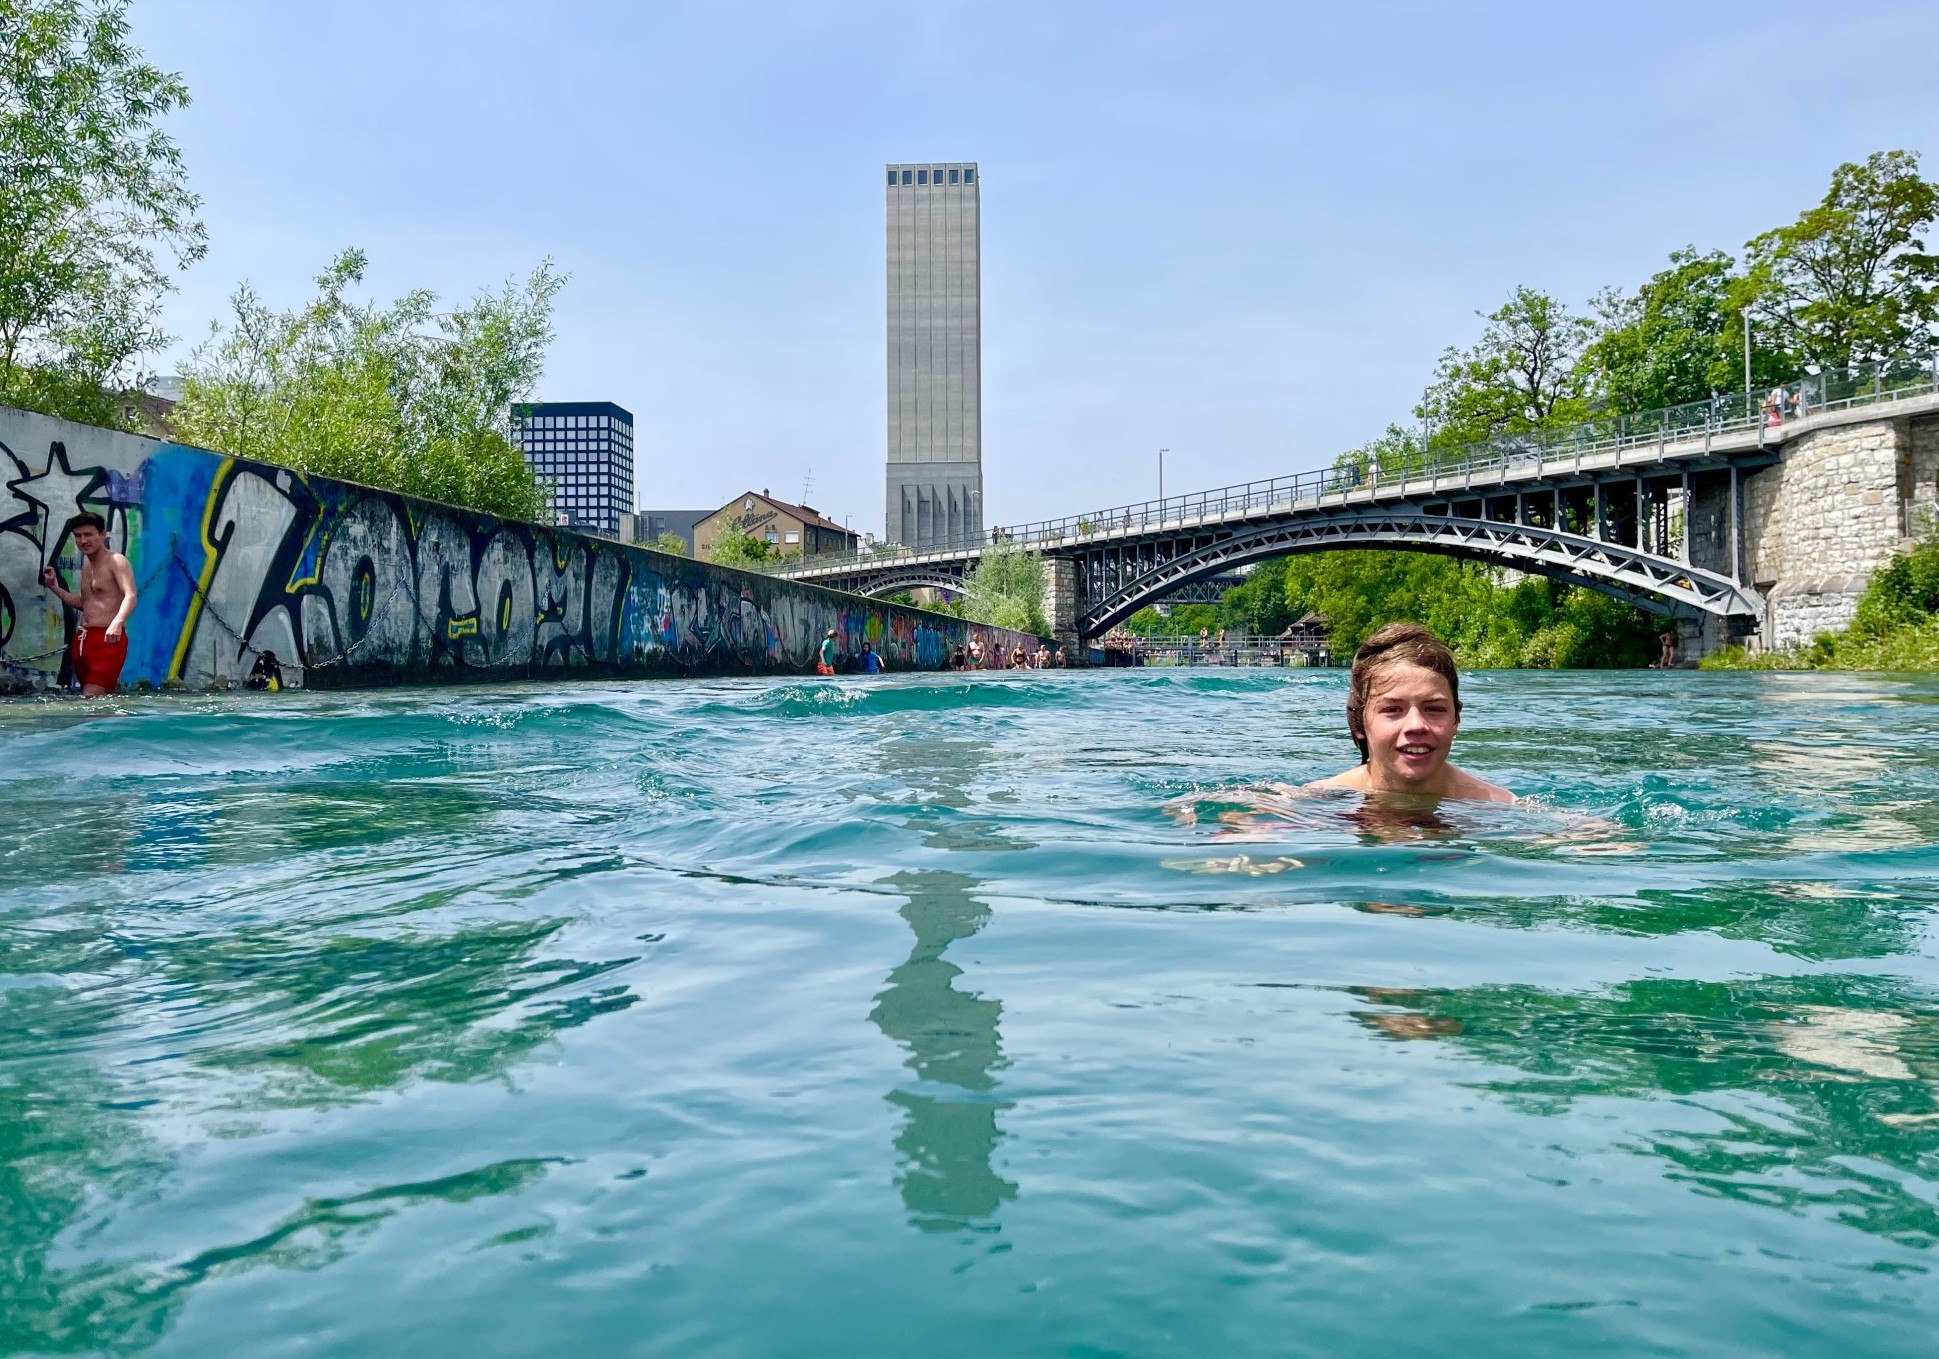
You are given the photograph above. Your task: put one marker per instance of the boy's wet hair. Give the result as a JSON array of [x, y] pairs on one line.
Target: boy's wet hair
[[88, 519], [1391, 644]]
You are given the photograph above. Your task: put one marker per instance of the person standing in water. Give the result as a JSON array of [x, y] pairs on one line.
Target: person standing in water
[[829, 654], [106, 598], [871, 663], [1403, 709]]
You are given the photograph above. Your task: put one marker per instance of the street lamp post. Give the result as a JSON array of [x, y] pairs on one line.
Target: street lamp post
[[1161, 477], [1750, 397]]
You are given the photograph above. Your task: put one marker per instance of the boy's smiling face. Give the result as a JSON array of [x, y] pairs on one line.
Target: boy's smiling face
[[1410, 721]]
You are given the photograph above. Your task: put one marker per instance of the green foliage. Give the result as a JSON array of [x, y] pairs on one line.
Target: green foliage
[[1903, 594], [1533, 622], [1852, 280], [1396, 452], [1678, 339], [1259, 606], [735, 546], [399, 397], [91, 189], [671, 543], [1896, 626], [1006, 590], [1523, 374]]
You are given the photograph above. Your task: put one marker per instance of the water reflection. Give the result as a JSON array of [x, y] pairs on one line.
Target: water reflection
[[1805, 919], [949, 1133], [281, 1016], [319, 1020], [1824, 1091], [69, 1144]]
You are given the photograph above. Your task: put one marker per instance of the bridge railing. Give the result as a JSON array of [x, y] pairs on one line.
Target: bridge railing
[[1499, 458], [1233, 649]]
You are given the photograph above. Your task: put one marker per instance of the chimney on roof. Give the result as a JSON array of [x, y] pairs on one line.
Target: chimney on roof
[[764, 490]]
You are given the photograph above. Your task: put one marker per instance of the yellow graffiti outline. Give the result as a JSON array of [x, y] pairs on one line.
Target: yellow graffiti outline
[[466, 626], [316, 526], [217, 484]]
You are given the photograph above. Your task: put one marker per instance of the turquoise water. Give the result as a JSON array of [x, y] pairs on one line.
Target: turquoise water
[[900, 1018]]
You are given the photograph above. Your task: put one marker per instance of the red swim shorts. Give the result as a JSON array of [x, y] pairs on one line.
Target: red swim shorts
[[97, 659], [824, 668]]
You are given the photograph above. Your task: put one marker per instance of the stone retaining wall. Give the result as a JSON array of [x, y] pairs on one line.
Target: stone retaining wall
[[1834, 510], [347, 586]]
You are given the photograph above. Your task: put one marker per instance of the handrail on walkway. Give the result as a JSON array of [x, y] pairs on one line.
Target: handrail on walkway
[[1231, 649], [1826, 390]]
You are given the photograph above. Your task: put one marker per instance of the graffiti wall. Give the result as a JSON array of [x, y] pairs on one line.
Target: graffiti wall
[[346, 586]]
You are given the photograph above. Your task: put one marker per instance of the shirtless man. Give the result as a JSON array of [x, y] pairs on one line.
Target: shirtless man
[[1403, 708], [106, 599]]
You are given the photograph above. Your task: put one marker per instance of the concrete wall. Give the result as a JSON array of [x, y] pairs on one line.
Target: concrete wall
[[1841, 501], [350, 586]]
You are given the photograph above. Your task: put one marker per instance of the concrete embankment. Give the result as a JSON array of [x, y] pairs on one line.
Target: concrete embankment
[[349, 586]]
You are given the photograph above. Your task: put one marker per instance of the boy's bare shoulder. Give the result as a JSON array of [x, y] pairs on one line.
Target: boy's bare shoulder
[[1351, 780], [1479, 790]]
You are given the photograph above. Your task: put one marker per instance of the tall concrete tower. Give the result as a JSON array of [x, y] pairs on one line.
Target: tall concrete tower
[[935, 355]]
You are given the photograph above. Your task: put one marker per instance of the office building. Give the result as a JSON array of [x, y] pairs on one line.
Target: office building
[[788, 530], [583, 450], [935, 352], [649, 526]]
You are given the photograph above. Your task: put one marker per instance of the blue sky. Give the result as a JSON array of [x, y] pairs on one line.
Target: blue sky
[[1240, 231]]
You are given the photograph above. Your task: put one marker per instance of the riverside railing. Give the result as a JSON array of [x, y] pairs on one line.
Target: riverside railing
[[1815, 392], [1237, 649]]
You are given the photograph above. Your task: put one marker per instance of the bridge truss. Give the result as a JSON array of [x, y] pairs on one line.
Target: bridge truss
[[1118, 580], [1660, 528]]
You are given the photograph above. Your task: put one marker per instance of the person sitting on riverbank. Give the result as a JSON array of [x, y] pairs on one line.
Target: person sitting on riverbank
[[1403, 709]]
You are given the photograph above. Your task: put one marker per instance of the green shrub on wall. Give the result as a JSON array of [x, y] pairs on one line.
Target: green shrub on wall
[[399, 397]]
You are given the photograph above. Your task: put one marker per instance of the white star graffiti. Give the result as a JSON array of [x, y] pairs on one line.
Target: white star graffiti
[[57, 492]]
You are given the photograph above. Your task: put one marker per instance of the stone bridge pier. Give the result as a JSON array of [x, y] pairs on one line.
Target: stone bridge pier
[[1062, 603], [1839, 502]]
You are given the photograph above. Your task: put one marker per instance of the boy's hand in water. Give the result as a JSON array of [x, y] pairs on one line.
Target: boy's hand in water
[[1257, 808]]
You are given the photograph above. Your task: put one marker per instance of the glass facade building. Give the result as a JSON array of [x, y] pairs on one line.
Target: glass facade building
[[583, 450], [935, 358]]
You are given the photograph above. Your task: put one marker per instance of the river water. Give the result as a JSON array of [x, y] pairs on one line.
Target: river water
[[901, 1017]]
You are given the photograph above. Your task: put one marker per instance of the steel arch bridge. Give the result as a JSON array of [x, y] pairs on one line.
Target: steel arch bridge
[[934, 576], [1116, 583], [1655, 522], [1207, 587]]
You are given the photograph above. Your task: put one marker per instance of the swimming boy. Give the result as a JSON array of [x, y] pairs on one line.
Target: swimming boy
[[106, 598], [1403, 708]]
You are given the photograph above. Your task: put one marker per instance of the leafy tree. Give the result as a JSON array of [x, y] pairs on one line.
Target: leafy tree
[[1904, 593], [671, 543], [1852, 279], [399, 397], [1678, 339], [1396, 451], [1006, 590], [1259, 605], [1523, 374], [735, 546], [91, 190]]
